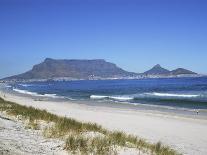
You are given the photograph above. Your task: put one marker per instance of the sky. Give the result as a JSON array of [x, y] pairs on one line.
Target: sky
[[134, 34]]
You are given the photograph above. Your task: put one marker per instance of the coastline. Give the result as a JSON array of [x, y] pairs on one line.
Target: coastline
[[186, 135]]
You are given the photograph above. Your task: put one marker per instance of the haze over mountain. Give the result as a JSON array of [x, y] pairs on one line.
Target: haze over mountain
[[89, 69]]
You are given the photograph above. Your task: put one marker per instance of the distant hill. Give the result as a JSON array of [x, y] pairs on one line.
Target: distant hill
[[157, 70], [182, 71], [78, 69]]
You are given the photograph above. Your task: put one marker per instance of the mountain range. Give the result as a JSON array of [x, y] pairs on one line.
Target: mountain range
[[158, 70], [89, 69]]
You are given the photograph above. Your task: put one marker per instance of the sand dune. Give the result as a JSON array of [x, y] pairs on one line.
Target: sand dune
[[15, 139]]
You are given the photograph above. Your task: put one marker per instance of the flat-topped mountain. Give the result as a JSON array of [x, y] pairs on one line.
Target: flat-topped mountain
[[157, 70], [78, 69]]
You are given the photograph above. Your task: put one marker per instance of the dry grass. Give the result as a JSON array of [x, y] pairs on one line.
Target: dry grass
[[73, 132]]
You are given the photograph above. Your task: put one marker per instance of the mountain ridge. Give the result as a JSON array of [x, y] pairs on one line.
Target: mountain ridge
[[179, 71], [159, 70], [90, 69]]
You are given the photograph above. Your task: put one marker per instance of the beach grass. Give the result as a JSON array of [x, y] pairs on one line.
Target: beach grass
[[73, 132]]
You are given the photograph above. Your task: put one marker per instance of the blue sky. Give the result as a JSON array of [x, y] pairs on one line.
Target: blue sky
[[134, 34]]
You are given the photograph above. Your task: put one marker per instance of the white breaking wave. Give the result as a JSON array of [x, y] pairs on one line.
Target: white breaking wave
[[98, 97], [145, 95], [34, 93], [26, 92], [173, 95], [8, 86], [120, 98], [25, 85], [51, 95]]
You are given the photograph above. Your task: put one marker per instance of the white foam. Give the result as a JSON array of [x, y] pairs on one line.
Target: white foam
[[25, 85], [35, 94], [120, 98], [51, 95], [173, 95], [26, 92], [98, 97], [8, 86]]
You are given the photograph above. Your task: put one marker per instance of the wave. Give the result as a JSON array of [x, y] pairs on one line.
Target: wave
[[25, 85], [120, 98], [26, 92], [154, 97], [35, 94], [8, 86], [98, 97], [172, 95], [51, 95], [145, 95]]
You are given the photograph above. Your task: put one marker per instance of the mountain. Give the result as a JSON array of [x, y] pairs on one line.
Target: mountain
[[181, 71], [90, 69], [74, 69], [157, 70]]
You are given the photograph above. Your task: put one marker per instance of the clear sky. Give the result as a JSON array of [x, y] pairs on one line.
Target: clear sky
[[134, 34]]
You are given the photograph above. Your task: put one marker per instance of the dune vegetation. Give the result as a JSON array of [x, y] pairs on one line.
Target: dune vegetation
[[81, 137]]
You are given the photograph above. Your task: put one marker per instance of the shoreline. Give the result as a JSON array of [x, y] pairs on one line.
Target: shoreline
[[141, 107], [186, 135]]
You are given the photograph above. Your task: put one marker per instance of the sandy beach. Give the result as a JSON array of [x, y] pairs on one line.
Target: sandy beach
[[103, 77], [16, 139], [186, 135]]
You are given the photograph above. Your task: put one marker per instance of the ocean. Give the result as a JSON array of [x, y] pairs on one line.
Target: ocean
[[188, 93]]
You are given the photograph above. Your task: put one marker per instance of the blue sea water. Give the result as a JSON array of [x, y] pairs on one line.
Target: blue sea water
[[173, 92]]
